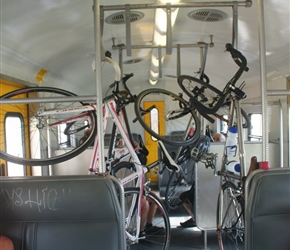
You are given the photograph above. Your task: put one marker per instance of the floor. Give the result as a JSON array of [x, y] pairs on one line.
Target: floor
[[189, 238]]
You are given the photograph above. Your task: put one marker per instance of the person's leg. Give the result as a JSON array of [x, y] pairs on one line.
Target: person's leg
[[150, 228], [191, 221], [144, 213], [151, 212], [187, 207], [6, 243]]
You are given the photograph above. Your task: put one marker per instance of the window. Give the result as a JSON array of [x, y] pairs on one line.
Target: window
[[255, 132], [63, 139], [154, 122], [14, 142], [224, 125]]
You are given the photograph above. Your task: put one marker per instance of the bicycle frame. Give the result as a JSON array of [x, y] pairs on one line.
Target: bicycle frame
[[109, 110], [235, 109]]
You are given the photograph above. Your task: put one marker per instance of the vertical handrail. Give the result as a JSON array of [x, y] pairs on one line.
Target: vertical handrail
[[99, 98], [281, 156], [263, 77]]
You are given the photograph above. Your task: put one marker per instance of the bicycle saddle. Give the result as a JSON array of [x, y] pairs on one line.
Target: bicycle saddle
[[166, 158]]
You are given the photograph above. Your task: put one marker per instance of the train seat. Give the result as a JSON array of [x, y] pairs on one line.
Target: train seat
[[267, 216], [62, 212]]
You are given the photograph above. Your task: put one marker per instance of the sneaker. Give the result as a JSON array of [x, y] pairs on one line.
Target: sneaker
[[188, 223], [150, 229], [142, 235]]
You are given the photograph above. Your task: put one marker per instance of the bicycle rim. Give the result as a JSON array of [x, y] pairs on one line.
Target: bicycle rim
[[176, 117], [230, 218], [179, 184], [45, 144], [157, 240]]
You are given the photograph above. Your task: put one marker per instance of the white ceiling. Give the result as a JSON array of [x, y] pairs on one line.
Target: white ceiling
[[58, 36]]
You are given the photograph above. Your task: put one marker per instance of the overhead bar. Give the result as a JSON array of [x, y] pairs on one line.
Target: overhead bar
[[247, 3], [146, 46], [49, 99], [278, 92]]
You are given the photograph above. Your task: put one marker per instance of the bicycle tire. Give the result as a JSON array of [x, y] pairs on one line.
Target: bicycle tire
[[176, 117], [157, 240], [230, 217], [179, 184], [224, 110], [40, 151], [123, 169]]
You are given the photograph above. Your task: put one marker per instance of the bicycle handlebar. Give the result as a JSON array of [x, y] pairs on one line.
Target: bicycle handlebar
[[126, 77], [116, 68], [237, 56]]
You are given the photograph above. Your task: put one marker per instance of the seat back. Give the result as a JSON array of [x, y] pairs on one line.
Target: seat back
[[62, 212], [267, 216]]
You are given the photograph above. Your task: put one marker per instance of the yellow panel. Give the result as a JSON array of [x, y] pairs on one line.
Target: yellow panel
[[7, 86]]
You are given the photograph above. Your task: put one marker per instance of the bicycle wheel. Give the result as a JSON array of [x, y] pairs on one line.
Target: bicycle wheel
[[179, 185], [176, 117], [152, 240], [230, 217], [208, 96], [122, 170], [223, 115], [45, 139]]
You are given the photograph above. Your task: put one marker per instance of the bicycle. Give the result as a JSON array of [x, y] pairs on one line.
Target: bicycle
[[209, 100], [51, 108], [230, 205]]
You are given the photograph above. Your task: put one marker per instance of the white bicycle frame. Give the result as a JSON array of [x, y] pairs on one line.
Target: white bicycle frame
[[109, 110]]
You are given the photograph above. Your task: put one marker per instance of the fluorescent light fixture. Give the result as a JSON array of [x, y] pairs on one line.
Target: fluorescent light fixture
[[159, 37]]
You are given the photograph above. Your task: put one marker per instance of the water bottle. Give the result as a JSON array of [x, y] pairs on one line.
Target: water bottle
[[231, 142], [190, 133], [233, 167]]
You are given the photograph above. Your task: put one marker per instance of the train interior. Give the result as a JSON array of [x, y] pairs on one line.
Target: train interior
[[65, 44]]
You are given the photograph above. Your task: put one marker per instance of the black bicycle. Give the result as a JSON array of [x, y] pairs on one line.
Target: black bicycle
[[209, 100]]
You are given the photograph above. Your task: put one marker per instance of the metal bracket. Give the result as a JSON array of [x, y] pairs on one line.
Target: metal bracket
[[168, 30]]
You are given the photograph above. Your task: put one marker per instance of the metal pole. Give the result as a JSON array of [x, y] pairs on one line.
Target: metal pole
[[178, 63], [278, 92], [263, 77], [99, 98], [281, 135], [235, 26], [247, 3]]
